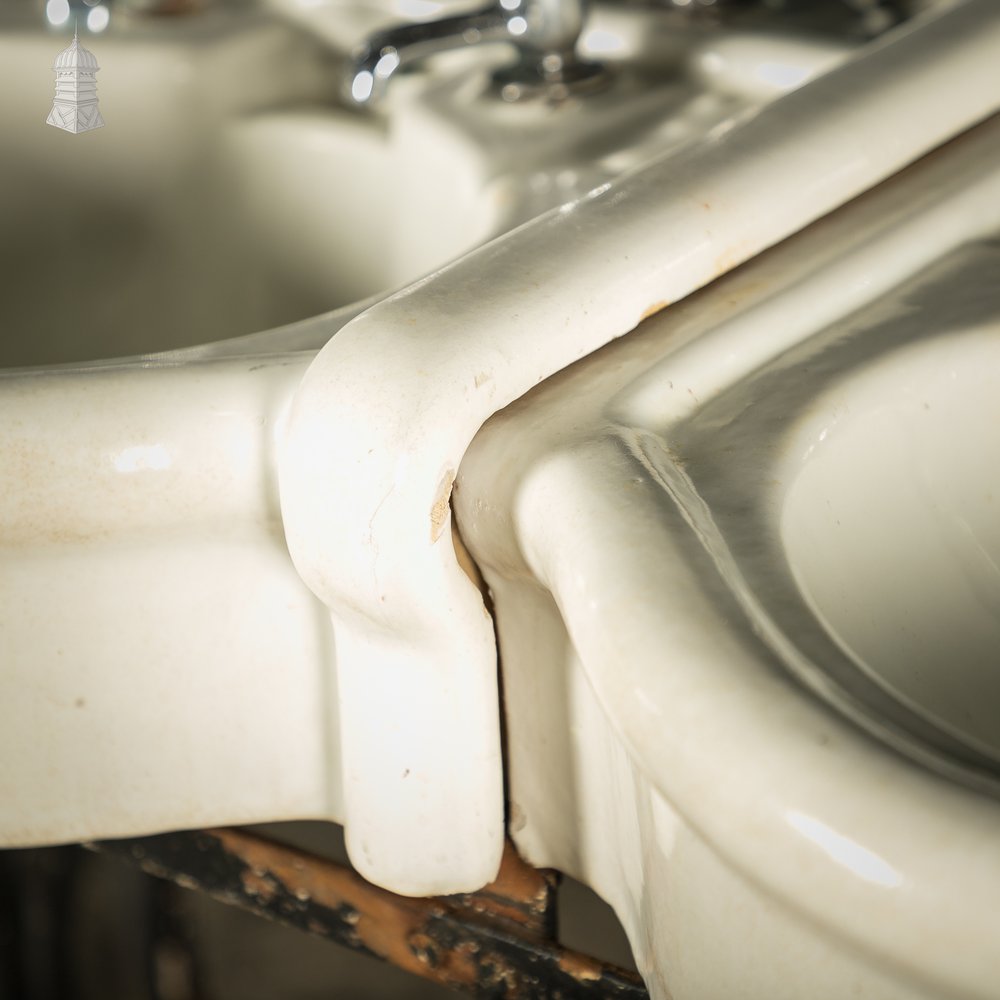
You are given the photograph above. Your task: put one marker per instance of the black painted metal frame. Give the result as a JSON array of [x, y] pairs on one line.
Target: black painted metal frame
[[498, 943]]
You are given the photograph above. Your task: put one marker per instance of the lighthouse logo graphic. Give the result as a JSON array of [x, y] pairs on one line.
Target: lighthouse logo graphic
[[75, 106]]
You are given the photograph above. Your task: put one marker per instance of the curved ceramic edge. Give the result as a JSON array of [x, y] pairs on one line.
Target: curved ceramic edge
[[391, 403], [895, 862], [153, 628], [895, 868]]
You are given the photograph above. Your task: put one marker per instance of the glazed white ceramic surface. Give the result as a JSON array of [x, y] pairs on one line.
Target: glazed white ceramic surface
[[393, 401], [231, 579], [743, 566], [920, 543]]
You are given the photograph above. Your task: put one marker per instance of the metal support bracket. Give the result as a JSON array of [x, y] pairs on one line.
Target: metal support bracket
[[499, 942]]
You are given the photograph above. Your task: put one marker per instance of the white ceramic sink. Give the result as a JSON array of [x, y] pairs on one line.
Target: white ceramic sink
[[392, 403], [135, 238], [867, 444], [142, 532], [226, 195], [232, 591], [726, 553], [888, 516]]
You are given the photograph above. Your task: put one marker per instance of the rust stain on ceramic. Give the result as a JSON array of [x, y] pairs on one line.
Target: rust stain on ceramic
[[654, 309], [441, 508], [730, 258]]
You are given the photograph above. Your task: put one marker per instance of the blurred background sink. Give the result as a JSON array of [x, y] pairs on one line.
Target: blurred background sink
[[147, 235], [232, 192]]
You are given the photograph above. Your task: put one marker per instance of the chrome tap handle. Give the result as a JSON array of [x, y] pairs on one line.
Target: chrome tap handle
[[544, 30], [386, 51]]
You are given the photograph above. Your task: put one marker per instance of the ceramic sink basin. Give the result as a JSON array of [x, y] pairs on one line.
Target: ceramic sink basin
[[744, 572], [198, 213], [135, 238], [865, 530], [384, 555], [886, 504], [232, 591]]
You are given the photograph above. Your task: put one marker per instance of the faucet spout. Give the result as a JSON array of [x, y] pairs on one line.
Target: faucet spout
[[545, 32]]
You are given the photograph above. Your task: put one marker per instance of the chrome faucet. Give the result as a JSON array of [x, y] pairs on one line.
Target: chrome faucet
[[545, 33]]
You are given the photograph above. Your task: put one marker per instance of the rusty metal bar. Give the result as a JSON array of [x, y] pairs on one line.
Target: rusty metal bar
[[496, 943]]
